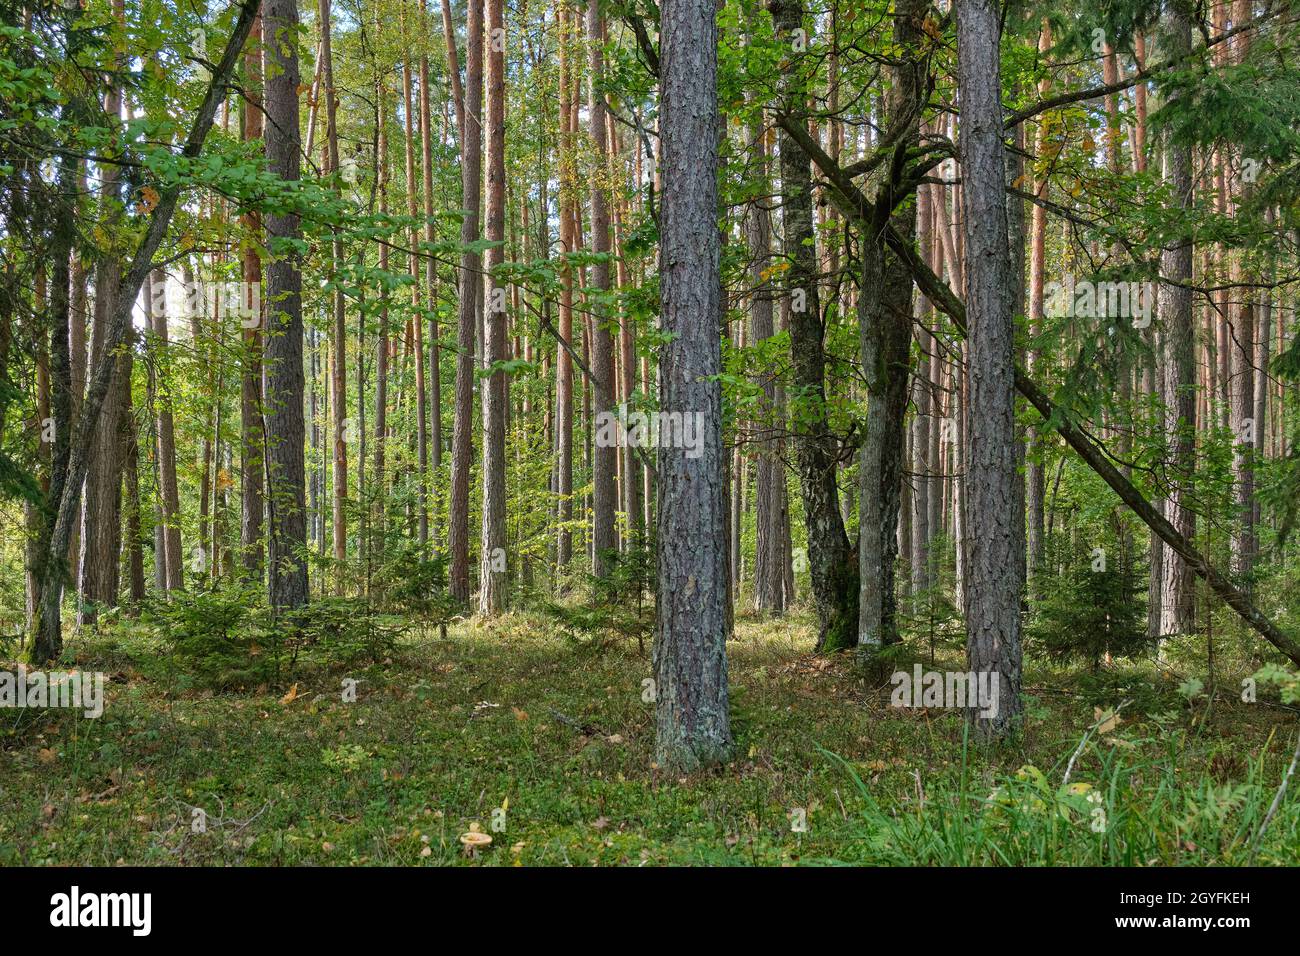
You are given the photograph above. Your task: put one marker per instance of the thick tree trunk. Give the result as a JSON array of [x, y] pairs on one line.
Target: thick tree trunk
[[286, 431], [885, 337], [993, 588], [252, 467], [692, 721]]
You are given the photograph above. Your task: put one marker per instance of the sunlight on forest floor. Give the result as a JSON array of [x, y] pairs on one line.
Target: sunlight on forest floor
[[546, 745]]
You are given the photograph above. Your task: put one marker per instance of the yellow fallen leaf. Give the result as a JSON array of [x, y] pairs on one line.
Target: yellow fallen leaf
[[290, 697], [1109, 723]]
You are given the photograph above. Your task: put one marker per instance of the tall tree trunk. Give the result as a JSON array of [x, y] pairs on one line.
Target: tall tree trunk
[[885, 336], [492, 567], [168, 488], [384, 345], [416, 326], [252, 444], [564, 408], [830, 559], [285, 429], [692, 721], [605, 454], [1035, 481], [993, 591], [338, 327], [102, 525], [768, 565], [470, 292], [430, 263], [921, 425], [1177, 597]]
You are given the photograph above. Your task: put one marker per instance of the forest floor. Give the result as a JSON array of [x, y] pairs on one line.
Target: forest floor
[[553, 735]]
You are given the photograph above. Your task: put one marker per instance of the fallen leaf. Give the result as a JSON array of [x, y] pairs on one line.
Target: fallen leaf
[[1108, 724]]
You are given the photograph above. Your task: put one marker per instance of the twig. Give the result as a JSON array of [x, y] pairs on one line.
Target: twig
[[1069, 767], [1277, 798]]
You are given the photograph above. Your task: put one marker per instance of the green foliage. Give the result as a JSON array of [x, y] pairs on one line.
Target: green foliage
[[221, 639], [341, 630], [1132, 812], [615, 608], [410, 583], [228, 639], [1091, 604]]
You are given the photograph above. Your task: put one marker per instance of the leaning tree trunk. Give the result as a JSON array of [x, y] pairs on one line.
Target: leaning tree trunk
[[692, 723], [66, 482]]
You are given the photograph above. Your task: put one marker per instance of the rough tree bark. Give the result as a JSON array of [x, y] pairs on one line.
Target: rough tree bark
[[252, 442], [462, 449], [492, 564], [285, 429], [692, 722], [993, 588], [605, 455], [1177, 597], [338, 327]]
